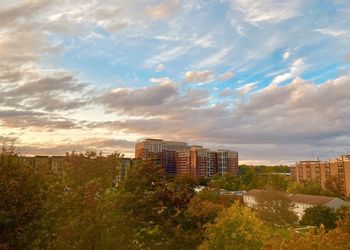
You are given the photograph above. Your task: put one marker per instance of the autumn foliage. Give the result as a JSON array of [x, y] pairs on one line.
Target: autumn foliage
[[85, 208]]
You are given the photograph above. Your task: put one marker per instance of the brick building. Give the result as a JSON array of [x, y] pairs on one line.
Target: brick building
[[335, 172]]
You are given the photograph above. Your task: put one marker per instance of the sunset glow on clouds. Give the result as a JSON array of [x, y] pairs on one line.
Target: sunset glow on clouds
[[270, 79]]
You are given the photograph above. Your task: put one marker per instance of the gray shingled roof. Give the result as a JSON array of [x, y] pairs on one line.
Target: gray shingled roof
[[311, 199]]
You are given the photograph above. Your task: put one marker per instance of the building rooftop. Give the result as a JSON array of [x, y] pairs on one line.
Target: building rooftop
[[311, 199], [300, 198]]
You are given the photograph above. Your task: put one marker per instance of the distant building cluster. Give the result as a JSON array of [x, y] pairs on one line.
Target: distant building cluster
[[178, 158], [56, 163], [334, 172]]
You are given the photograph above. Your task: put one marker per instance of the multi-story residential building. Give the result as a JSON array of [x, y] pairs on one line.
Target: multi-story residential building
[[183, 162], [168, 161], [180, 159], [199, 161], [227, 162], [152, 148], [213, 163], [56, 163], [335, 172]]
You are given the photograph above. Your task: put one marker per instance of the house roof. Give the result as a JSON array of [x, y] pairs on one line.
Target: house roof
[[254, 192], [300, 198], [311, 199]]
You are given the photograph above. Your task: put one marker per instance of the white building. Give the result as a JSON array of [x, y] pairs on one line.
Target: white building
[[304, 201], [300, 201]]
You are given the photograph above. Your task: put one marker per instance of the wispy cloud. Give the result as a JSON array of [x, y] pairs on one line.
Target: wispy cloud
[[296, 68]]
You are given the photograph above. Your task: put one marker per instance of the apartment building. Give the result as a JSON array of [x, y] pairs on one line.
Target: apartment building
[[227, 162], [168, 161], [183, 162], [152, 148], [181, 159], [335, 172]]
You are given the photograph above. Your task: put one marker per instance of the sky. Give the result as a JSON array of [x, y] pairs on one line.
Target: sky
[[269, 79]]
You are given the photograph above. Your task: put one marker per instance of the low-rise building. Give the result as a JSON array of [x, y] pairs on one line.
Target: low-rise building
[[304, 201], [300, 201]]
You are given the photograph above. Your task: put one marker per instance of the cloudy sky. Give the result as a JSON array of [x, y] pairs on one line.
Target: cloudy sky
[[268, 78]]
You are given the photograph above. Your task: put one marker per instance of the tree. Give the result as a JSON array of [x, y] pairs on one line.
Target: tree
[[25, 190], [235, 228], [343, 215], [228, 182], [275, 208], [334, 185], [310, 187], [317, 215], [155, 208], [335, 239], [278, 182]]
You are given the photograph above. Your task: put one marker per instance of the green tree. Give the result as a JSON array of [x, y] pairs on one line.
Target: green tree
[[310, 187], [155, 208], [317, 215], [275, 208], [25, 190], [343, 215], [235, 228], [278, 182], [335, 239]]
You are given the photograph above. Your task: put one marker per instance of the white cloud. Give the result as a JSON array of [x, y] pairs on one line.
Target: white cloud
[[332, 32], [166, 55], [267, 10], [160, 67], [246, 88], [198, 76], [164, 10], [226, 76], [296, 68], [215, 59], [286, 55], [162, 80]]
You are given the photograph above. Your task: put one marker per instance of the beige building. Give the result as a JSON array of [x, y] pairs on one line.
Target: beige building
[[335, 172]]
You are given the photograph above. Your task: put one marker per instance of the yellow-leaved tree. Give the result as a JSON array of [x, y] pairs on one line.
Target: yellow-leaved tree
[[235, 228]]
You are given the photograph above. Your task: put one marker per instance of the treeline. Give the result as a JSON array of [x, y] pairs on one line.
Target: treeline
[[260, 177], [85, 208], [263, 169]]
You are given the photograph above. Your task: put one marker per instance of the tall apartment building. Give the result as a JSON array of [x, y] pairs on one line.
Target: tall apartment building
[[162, 152], [334, 172], [199, 161], [180, 159], [152, 148], [183, 162], [227, 162]]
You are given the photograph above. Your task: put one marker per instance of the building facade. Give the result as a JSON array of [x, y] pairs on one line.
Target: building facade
[[335, 173], [152, 148], [178, 158]]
